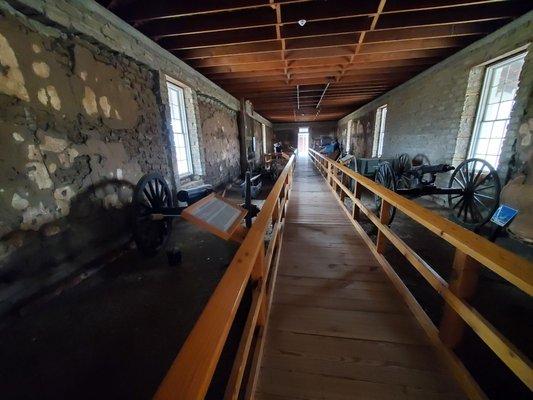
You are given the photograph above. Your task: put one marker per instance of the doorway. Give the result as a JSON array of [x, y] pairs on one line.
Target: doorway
[[303, 141]]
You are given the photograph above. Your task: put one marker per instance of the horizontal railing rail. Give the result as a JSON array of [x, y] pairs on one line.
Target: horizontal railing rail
[[472, 251], [191, 373]]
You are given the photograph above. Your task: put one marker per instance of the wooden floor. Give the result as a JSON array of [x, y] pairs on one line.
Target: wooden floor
[[338, 329]]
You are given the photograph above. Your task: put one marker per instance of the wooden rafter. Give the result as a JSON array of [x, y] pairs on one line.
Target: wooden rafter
[[255, 49]]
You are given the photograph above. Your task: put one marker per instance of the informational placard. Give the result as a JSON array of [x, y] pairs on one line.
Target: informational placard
[[215, 214], [346, 159], [503, 215]]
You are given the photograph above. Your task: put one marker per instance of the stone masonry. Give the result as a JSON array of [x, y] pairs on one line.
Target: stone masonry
[[84, 115], [434, 113]]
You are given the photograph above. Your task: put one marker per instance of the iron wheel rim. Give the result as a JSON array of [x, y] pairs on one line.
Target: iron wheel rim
[[480, 195]]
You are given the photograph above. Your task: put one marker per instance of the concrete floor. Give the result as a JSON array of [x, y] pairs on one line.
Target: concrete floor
[[115, 334]]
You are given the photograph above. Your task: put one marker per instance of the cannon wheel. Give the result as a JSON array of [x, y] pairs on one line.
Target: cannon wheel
[[401, 165], [420, 159], [481, 192], [150, 196], [385, 177]]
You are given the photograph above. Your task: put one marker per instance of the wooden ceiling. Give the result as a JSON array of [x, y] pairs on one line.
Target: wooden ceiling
[[347, 53]]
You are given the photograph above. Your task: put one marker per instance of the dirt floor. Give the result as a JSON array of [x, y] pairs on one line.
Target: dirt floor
[[115, 334], [504, 306]]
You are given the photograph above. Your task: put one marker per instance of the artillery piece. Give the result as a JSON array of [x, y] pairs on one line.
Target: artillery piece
[[473, 189]]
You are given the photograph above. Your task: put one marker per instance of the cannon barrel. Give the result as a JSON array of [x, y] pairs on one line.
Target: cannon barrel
[[434, 169], [194, 194]]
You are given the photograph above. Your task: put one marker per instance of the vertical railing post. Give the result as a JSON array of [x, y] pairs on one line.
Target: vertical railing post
[[356, 213], [329, 172], [384, 217], [258, 276], [275, 213], [342, 194], [463, 284]]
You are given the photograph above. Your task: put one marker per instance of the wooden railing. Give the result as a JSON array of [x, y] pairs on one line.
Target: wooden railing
[[471, 252], [190, 375]]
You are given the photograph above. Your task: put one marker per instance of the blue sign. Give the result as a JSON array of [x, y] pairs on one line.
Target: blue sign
[[503, 215]]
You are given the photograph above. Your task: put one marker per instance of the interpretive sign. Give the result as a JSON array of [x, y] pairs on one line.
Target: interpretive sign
[[215, 214], [503, 215]]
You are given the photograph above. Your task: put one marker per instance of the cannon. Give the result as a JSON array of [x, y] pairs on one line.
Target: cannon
[[154, 210], [473, 189]]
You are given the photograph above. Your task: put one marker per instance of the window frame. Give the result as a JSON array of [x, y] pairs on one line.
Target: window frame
[[264, 137], [483, 103], [348, 136], [379, 131], [171, 85]]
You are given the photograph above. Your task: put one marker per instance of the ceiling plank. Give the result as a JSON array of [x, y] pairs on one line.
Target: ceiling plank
[[171, 9], [234, 36], [478, 12], [200, 23], [319, 10], [409, 5], [434, 31], [327, 27], [255, 49]]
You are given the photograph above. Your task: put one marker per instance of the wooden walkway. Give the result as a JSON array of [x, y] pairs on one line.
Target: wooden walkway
[[338, 329]]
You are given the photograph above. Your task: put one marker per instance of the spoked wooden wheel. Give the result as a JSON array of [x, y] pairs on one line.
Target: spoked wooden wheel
[[401, 165], [420, 159], [385, 176], [151, 195], [480, 195]]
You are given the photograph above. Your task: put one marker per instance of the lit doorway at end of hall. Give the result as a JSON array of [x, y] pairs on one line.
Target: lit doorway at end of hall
[[303, 140]]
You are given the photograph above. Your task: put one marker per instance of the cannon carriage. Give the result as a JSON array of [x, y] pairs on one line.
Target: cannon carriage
[[473, 189]]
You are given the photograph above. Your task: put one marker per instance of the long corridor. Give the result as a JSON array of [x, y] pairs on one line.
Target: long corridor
[[338, 329]]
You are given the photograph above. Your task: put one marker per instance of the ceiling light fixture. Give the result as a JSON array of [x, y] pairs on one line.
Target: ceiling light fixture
[[302, 22]]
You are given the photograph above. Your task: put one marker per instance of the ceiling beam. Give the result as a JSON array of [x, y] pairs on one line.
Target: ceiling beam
[[467, 13], [138, 11]]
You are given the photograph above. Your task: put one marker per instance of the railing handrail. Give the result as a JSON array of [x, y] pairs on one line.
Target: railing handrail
[[516, 270], [192, 370], [509, 266]]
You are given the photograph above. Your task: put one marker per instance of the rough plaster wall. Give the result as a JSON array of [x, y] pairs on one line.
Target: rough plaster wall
[[79, 126], [93, 20], [220, 141], [258, 135], [361, 135], [269, 139], [518, 193]]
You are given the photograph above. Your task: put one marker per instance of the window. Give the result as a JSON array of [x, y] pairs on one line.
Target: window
[[303, 140], [264, 137], [179, 129], [348, 136], [379, 131], [494, 111]]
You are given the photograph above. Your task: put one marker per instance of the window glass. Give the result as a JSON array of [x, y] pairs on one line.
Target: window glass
[[379, 131], [496, 103], [178, 122]]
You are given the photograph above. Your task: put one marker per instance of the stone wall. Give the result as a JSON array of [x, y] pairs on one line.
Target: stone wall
[[79, 126], [220, 141], [434, 113], [257, 133], [84, 115], [361, 135]]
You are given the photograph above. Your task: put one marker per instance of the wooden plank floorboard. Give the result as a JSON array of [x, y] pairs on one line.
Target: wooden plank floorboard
[[337, 328]]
